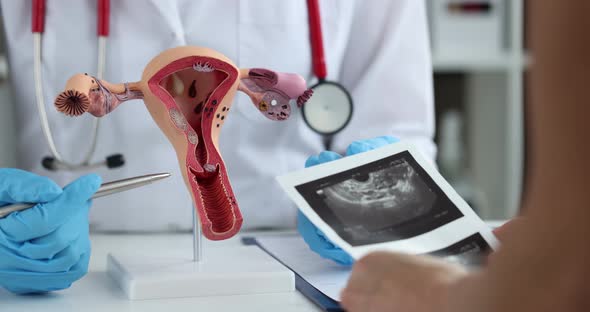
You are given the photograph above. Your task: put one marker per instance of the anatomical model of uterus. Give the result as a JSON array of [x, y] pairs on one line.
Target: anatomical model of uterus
[[189, 92]]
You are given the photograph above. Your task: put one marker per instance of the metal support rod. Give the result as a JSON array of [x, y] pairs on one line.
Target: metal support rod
[[197, 238]]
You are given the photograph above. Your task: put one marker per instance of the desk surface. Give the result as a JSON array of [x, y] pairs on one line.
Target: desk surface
[[97, 292]]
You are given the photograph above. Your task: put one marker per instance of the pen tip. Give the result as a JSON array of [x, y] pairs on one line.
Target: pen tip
[[164, 175], [159, 176]]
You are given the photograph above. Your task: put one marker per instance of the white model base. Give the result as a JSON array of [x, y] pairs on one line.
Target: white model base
[[223, 271]]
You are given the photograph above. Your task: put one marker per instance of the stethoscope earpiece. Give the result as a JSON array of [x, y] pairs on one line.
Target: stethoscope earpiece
[[115, 161], [111, 162], [48, 163]]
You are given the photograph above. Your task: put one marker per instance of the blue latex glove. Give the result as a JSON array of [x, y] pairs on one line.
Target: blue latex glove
[[46, 247], [317, 240]]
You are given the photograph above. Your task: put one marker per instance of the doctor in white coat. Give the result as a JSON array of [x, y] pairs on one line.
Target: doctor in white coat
[[377, 49]]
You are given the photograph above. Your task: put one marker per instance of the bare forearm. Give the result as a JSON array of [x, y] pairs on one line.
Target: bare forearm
[[544, 267]]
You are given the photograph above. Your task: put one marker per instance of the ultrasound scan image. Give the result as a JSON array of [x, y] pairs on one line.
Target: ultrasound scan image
[[381, 198], [390, 199], [471, 251]]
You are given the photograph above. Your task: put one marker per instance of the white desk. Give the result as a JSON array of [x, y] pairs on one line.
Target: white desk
[[97, 292]]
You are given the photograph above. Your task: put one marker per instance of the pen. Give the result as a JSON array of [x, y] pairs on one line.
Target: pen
[[104, 190]]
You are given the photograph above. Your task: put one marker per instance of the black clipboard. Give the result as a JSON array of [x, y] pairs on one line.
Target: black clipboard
[[309, 291]]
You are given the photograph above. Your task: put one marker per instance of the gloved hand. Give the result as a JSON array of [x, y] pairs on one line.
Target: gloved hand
[[317, 240], [46, 247]]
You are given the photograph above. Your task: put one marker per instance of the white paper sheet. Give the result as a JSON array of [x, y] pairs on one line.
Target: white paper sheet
[[389, 199]]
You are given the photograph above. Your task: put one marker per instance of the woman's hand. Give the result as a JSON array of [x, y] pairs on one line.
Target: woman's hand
[[383, 281]]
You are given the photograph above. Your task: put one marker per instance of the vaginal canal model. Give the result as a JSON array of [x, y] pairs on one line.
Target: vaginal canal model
[[189, 92]]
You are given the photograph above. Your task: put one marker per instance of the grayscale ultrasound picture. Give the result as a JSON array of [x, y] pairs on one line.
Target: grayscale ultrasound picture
[[386, 200], [471, 251]]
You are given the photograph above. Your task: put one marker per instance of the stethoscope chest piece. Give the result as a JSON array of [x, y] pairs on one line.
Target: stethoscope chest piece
[[329, 110]]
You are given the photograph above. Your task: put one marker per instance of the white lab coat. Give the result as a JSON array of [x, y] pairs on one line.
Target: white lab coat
[[378, 49]]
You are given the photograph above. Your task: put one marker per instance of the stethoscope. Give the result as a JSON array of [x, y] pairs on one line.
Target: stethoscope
[[329, 110], [56, 160]]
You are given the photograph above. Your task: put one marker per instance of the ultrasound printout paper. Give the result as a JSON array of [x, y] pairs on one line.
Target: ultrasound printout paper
[[392, 199]]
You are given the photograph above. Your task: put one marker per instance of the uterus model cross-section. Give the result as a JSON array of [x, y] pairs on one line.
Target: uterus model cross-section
[[189, 92]]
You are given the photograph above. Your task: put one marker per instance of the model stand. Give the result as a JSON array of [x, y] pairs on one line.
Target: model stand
[[221, 271]]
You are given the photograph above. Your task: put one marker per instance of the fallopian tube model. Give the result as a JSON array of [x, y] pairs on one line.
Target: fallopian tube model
[[189, 92]]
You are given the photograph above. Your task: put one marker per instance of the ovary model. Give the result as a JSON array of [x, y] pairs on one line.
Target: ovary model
[[189, 92]]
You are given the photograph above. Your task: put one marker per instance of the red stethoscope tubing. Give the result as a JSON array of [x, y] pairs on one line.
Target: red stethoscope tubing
[[38, 16], [316, 39], [102, 17]]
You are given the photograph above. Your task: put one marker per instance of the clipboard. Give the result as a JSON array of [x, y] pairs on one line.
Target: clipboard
[[308, 290]]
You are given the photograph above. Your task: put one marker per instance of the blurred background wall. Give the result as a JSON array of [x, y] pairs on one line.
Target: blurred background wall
[[479, 62]]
